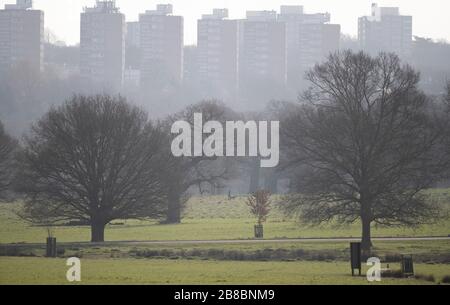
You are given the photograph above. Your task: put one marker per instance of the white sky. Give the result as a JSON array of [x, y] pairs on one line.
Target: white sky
[[431, 18]]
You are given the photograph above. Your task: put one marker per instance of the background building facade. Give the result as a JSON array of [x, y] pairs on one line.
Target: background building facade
[[386, 30], [133, 36], [218, 54], [102, 45], [21, 36], [161, 46], [262, 55], [309, 39]]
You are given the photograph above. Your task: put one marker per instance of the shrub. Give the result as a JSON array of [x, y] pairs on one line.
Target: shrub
[[234, 255], [424, 277], [195, 253], [166, 253], [446, 279], [16, 251], [215, 253], [392, 273], [393, 258], [299, 253]]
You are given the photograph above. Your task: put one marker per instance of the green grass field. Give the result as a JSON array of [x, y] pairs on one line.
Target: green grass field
[[132, 271], [205, 218], [211, 218]]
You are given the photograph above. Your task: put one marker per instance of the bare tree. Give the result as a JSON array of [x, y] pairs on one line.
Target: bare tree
[[7, 148], [363, 142], [93, 159], [447, 96], [259, 204], [442, 111], [182, 173]]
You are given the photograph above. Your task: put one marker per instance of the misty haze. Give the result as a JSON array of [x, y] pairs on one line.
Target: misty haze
[[244, 63], [309, 140]]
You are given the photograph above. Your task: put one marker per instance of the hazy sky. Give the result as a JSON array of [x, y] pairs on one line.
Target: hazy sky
[[430, 17]]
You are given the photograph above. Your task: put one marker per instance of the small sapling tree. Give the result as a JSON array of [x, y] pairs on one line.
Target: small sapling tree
[[259, 204]]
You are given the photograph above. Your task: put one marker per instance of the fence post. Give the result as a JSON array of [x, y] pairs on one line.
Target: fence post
[[51, 247]]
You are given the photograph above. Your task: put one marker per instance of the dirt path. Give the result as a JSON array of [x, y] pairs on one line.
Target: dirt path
[[253, 241]]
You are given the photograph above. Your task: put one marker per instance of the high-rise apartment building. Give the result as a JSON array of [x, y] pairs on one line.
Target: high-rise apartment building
[[102, 45], [21, 35], [132, 55], [309, 39], [386, 30], [190, 64], [217, 40], [133, 36], [161, 45], [262, 49]]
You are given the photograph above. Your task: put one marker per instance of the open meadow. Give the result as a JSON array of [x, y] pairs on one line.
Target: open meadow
[[205, 218], [129, 257], [129, 271]]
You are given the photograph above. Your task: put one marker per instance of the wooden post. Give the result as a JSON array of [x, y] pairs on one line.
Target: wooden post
[[51, 247]]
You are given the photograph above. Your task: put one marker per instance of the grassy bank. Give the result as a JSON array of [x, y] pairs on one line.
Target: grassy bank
[[431, 252]]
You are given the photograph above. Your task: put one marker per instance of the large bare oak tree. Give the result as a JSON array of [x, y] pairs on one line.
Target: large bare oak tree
[[93, 159], [199, 172], [8, 146], [364, 144]]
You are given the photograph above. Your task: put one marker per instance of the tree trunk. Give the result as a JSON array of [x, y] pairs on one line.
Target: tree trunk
[[174, 209], [97, 232], [254, 176], [366, 242], [271, 182]]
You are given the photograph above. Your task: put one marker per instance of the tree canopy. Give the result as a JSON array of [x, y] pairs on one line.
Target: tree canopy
[[93, 159], [364, 142]]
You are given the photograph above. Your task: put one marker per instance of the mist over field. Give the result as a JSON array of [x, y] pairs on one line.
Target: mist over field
[[224, 142]]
